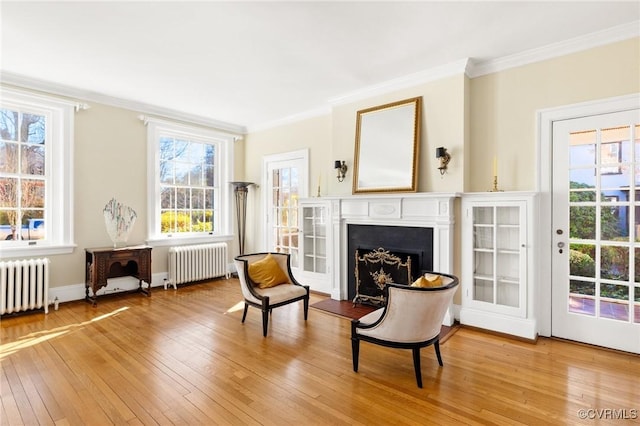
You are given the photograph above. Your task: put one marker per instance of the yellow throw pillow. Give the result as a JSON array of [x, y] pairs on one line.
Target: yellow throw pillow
[[267, 273], [428, 280]]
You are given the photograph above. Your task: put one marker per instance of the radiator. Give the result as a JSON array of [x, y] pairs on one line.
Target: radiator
[[196, 263], [24, 285]]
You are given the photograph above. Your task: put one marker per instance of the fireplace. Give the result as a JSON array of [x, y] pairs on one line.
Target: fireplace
[[412, 244], [421, 224]]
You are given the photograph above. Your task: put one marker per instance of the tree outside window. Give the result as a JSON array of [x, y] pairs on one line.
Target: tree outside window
[[23, 176], [189, 174], [187, 186]]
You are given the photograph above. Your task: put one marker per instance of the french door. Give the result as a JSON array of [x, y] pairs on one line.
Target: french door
[[596, 227], [286, 178]]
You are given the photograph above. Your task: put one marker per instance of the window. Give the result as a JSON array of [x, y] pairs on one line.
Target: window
[[189, 188], [36, 140]]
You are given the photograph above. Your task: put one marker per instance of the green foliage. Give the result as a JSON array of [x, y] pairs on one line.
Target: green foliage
[[582, 287], [614, 263], [613, 291], [581, 264], [589, 249], [582, 219]]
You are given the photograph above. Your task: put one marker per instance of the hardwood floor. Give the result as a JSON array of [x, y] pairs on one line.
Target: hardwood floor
[[183, 357]]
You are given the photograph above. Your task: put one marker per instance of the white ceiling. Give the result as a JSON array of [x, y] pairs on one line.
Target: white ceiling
[[254, 63]]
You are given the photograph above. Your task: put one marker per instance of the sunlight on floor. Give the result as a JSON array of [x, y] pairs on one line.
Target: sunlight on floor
[[235, 308], [42, 336]]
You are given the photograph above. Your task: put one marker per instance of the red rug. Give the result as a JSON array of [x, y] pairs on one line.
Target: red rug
[[345, 309]]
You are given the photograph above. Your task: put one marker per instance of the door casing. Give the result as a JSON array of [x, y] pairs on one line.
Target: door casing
[[544, 159]]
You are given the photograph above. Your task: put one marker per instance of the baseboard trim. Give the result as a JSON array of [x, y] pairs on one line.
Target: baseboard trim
[[500, 334], [69, 293]]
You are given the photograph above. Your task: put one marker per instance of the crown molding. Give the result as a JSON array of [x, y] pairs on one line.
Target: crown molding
[[453, 68], [316, 112], [577, 44], [29, 83]]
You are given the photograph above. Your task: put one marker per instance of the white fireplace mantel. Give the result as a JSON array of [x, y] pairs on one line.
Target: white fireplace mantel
[[428, 210]]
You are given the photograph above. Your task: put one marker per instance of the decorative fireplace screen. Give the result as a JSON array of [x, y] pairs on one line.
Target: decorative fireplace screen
[[374, 269]]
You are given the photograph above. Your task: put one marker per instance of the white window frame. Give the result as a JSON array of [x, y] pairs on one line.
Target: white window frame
[[59, 113], [224, 156]]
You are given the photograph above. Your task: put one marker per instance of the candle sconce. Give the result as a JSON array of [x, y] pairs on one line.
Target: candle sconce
[[444, 157], [341, 168]]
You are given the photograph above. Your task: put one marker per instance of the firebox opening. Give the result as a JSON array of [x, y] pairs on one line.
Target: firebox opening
[[404, 241]]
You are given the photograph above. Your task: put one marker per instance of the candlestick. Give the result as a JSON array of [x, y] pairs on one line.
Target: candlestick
[[495, 185], [319, 184]]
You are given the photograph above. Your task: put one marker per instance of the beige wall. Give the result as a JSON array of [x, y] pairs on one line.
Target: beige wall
[[332, 137], [442, 124], [313, 134], [110, 160], [504, 105]]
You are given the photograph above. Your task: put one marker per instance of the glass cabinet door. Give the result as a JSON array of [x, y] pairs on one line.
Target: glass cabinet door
[[497, 240], [315, 239], [508, 256], [484, 256]]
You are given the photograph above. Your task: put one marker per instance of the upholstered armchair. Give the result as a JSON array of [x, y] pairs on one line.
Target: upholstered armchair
[[267, 282], [411, 319]]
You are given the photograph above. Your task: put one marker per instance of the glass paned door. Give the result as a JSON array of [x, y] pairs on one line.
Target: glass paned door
[[285, 209], [596, 223], [286, 185]]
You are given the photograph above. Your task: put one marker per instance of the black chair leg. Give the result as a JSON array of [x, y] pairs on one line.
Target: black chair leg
[[355, 352], [246, 308], [416, 366], [306, 308], [265, 321], [436, 345]]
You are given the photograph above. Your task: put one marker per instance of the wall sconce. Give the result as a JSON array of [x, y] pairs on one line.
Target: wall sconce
[[444, 157], [341, 167]]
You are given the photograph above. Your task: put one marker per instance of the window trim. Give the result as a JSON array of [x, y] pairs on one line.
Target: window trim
[[155, 128], [59, 193]]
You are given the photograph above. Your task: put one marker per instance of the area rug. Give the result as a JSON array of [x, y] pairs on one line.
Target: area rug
[[345, 309]]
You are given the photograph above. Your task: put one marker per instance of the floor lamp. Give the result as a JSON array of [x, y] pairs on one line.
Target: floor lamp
[[241, 190]]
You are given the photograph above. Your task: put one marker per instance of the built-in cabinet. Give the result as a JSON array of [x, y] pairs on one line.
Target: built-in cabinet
[[498, 257], [315, 242]]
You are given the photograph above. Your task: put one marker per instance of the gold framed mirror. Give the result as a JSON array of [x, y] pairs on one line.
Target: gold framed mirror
[[387, 144]]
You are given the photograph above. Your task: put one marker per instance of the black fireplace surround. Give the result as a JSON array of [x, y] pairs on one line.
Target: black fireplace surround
[[416, 242]]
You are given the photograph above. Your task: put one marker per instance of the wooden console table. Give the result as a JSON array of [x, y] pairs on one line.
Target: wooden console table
[[103, 263]]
